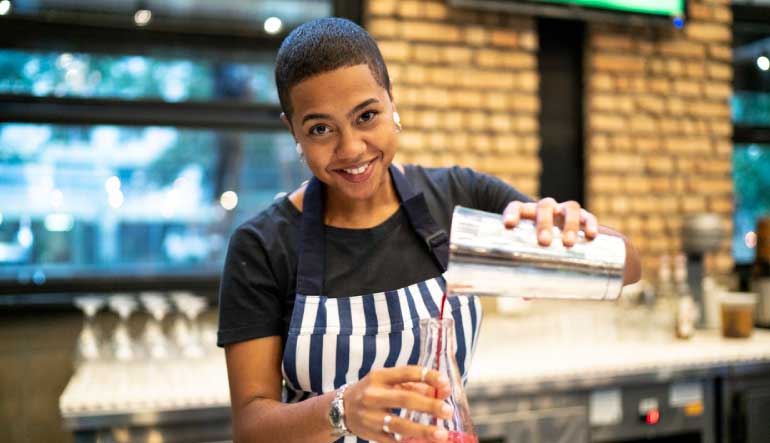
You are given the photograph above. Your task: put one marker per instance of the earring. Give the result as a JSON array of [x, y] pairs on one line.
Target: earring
[[397, 121], [299, 152]]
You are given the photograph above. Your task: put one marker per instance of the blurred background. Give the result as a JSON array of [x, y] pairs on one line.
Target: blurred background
[[136, 135]]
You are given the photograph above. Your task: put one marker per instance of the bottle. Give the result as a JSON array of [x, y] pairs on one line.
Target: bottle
[[437, 351], [687, 313]]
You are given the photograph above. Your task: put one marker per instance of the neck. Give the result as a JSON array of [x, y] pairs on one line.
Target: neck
[[343, 212]]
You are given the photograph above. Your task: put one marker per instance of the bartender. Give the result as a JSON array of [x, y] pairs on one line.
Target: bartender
[[321, 290]]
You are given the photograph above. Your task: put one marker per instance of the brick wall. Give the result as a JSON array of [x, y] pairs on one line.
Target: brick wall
[[658, 132], [465, 84]]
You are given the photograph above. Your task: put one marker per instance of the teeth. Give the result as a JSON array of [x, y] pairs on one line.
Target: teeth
[[356, 171]]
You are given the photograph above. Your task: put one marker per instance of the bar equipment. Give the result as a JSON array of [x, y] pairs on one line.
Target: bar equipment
[[701, 233], [185, 330], [485, 258]]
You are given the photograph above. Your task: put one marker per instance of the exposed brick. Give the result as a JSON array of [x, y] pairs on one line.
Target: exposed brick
[[608, 123], [384, 27], [660, 164], [708, 32], [528, 81], [423, 31], [602, 82], [410, 9], [382, 7], [505, 38], [650, 103], [720, 71], [617, 63], [477, 121], [721, 52], [456, 55], [718, 90], [682, 48], [436, 10], [687, 88], [475, 35], [612, 41], [426, 53], [394, 51], [528, 40]]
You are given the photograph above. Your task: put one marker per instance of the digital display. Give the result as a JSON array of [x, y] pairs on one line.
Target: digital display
[[657, 7]]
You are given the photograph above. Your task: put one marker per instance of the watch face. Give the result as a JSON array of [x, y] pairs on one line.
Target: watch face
[[334, 415]]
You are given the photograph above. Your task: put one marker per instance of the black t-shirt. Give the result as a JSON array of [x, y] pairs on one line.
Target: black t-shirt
[[259, 280]]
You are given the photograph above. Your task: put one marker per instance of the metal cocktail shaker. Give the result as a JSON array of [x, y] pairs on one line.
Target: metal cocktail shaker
[[485, 258]]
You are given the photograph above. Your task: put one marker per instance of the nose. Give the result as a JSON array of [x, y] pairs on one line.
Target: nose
[[351, 146]]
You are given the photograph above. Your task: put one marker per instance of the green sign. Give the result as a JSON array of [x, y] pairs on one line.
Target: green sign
[[659, 7]]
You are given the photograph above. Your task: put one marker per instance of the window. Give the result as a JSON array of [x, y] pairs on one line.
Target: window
[[129, 152], [751, 118]]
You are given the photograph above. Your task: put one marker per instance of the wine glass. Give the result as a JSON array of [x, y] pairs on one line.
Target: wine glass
[[122, 345], [154, 339], [88, 340]]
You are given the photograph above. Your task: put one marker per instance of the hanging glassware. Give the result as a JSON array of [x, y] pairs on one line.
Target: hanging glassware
[[437, 351]]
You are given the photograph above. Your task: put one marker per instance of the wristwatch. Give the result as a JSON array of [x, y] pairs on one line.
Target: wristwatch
[[337, 414]]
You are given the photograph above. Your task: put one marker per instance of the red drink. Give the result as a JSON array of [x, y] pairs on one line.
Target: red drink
[[454, 437]]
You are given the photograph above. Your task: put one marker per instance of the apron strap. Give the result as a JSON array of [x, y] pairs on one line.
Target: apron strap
[[423, 223], [310, 267]]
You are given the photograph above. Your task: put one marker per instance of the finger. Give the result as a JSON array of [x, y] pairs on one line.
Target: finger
[[511, 214], [528, 211], [408, 429], [413, 373], [571, 212], [388, 398], [545, 211], [419, 388], [590, 224]]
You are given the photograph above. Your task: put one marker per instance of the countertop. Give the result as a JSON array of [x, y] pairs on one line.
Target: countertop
[[551, 345]]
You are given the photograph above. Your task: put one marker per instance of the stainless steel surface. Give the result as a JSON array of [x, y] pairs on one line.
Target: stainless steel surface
[[702, 232], [485, 258]]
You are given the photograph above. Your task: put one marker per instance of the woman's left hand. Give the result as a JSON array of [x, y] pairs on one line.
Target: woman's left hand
[[547, 213]]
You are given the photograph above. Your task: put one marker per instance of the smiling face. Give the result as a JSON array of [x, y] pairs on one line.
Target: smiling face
[[343, 120]]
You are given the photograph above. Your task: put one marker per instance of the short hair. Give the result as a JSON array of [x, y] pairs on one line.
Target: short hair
[[323, 45]]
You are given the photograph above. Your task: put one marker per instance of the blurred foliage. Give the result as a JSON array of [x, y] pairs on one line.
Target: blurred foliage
[[751, 108]]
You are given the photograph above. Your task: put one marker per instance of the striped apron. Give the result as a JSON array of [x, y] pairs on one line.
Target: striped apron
[[333, 341]]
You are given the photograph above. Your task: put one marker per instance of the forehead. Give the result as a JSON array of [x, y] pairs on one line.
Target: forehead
[[335, 91]]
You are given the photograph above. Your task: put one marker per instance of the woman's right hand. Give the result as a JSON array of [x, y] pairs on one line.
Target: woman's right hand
[[369, 400]]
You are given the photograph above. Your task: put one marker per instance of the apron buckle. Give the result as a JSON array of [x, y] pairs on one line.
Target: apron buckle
[[436, 239]]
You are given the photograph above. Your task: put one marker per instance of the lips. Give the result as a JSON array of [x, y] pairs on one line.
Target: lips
[[357, 173]]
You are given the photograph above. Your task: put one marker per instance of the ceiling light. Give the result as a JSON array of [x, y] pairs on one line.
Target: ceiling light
[[273, 25], [763, 63], [5, 7], [142, 17]]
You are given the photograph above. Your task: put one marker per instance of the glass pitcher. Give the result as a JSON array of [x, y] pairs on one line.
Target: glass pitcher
[[437, 351]]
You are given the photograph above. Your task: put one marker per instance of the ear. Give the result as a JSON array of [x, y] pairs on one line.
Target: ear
[[287, 123]]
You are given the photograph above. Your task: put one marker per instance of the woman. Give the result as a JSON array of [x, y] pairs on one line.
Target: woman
[[322, 291]]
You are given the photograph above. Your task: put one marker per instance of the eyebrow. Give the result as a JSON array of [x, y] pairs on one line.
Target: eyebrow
[[355, 109]]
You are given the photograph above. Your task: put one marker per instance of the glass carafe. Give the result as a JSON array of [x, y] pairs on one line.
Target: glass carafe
[[437, 351]]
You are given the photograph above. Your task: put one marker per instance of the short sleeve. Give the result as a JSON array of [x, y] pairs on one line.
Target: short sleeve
[[250, 301], [489, 193]]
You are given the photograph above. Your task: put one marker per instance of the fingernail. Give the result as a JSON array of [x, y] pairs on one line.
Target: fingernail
[[446, 410], [441, 434], [544, 236], [569, 236], [443, 379]]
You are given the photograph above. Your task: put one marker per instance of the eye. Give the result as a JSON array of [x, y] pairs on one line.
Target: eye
[[367, 116], [319, 130]]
